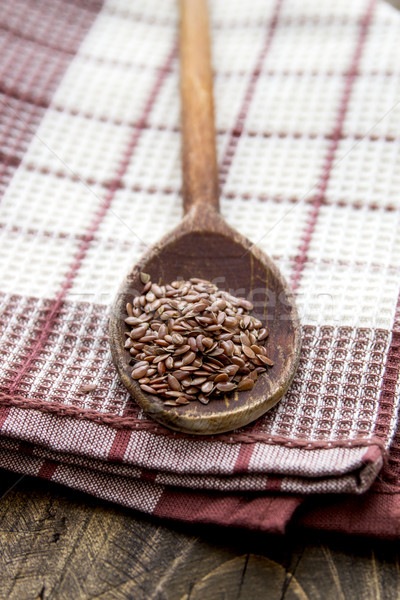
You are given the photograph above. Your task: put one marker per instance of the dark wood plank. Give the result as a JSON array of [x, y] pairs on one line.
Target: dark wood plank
[[57, 543]]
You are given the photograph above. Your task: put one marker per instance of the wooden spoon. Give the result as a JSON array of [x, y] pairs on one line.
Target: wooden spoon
[[204, 246]]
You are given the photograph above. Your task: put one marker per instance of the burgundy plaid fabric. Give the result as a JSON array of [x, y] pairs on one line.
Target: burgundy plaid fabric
[[307, 121]]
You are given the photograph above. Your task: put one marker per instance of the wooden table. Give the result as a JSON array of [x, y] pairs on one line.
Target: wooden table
[[59, 544]]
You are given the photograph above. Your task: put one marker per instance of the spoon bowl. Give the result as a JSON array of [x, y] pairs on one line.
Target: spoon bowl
[[204, 246], [221, 255]]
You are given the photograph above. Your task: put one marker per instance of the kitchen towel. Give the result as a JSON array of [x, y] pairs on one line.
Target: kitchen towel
[[307, 114]]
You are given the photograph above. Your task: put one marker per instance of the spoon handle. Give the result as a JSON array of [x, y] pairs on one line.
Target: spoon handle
[[199, 160]]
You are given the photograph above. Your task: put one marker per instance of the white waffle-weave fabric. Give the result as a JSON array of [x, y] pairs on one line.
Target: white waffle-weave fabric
[[307, 102]]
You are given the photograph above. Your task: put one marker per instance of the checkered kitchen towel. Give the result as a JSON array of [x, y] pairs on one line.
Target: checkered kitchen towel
[[307, 112]]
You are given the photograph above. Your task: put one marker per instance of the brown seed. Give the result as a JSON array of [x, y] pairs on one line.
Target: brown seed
[[188, 358], [181, 350], [173, 383], [199, 306], [139, 372], [179, 375], [144, 277], [225, 336], [245, 384], [205, 320], [246, 321], [160, 358], [177, 339], [228, 347], [157, 291], [213, 327], [169, 362], [198, 380], [161, 368], [191, 390], [145, 317], [231, 370], [170, 403], [221, 318], [192, 344], [207, 342], [244, 339], [207, 387], [160, 387], [253, 375], [221, 377], [155, 305], [138, 345], [215, 361], [139, 332], [216, 352], [230, 322], [238, 361], [256, 349], [141, 363], [203, 399], [148, 389], [146, 287], [226, 386], [129, 309], [89, 387], [248, 352], [182, 400], [158, 379], [132, 321], [265, 360], [246, 304], [262, 334], [186, 382], [172, 394], [199, 342], [148, 338]]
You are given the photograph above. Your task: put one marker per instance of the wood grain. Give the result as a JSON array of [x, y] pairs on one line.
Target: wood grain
[[59, 544]]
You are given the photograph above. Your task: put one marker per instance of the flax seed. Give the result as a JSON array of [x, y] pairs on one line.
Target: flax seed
[[173, 383], [89, 387], [248, 352], [265, 360], [245, 384], [192, 341], [207, 387], [226, 387]]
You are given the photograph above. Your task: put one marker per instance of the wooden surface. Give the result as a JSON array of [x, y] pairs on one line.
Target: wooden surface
[[58, 544]]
